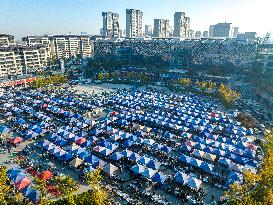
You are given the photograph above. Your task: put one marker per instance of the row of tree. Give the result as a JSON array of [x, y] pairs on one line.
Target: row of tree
[[226, 94], [48, 80]]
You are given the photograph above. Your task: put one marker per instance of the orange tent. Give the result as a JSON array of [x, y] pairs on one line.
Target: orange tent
[[22, 183], [45, 175]]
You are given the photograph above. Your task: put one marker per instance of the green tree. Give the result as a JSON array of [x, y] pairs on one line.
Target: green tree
[[40, 185], [5, 188], [67, 186], [100, 195]]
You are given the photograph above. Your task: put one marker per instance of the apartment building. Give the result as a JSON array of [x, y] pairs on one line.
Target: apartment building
[[162, 28], [10, 63], [110, 24], [181, 25], [6, 40], [16, 60], [86, 46], [220, 30], [38, 40], [63, 46], [134, 23]]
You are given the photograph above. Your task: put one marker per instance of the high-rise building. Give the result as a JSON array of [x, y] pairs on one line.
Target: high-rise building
[[110, 24], [148, 30], [120, 33], [181, 25], [220, 30], [211, 28], [198, 34], [6, 40], [191, 33], [205, 34], [161, 28], [134, 23], [235, 32]]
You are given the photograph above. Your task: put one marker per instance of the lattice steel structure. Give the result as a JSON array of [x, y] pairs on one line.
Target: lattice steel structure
[[184, 53]]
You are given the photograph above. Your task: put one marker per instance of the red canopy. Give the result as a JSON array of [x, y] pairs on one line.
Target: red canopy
[[45, 175], [81, 140], [22, 183], [115, 113], [15, 140]]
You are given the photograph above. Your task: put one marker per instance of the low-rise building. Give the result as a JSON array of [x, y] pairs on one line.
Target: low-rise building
[[63, 46], [16, 60], [6, 40]]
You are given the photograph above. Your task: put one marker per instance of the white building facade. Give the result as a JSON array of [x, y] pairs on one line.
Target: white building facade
[[181, 25], [134, 23], [110, 24], [162, 28]]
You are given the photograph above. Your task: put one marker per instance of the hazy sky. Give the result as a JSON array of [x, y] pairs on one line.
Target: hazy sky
[[22, 17]]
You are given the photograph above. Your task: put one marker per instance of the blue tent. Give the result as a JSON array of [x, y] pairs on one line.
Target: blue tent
[[252, 163], [185, 158], [156, 146], [206, 167], [105, 143], [166, 149], [38, 130], [135, 157], [49, 146], [4, 129], [249, 153], [13, 172], [128, 143], [112, 146], [17, 177], [61, 142], [153, 164], [84, 154], [105, 152], [96, 131], [126, 153], [144, 160], [181, 177], [159, 177], [233, 177], [60, 153], [20, 121], [239, 159], [194, 183], [94, 160], [116, 156], [148, 173], [133, 138], [138, 169], [67, 157], [34, 196], [27, 190], [87, 143], [195, 162], [224, 161]]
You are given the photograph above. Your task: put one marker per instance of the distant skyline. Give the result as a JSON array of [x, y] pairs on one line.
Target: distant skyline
[[38, 17]]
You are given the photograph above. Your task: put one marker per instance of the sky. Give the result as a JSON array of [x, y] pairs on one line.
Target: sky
[[38, 17]]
